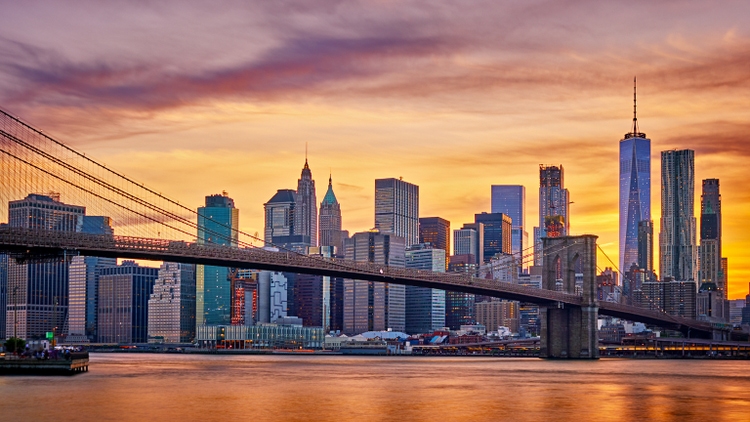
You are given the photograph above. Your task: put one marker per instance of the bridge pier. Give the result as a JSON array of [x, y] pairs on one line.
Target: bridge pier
[[568, 331], [720, 334]]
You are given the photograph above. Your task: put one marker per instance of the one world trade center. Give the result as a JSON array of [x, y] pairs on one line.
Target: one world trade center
[[635, 190]]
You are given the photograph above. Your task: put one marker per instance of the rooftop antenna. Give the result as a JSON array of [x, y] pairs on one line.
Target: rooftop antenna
[[636, 133], [635, 104], [306, 166]]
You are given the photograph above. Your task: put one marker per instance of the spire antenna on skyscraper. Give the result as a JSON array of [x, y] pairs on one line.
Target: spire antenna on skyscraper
[[636, 131], [635, 107], [635, 202]]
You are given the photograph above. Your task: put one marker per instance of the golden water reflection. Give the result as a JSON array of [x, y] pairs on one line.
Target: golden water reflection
[[301, 388]]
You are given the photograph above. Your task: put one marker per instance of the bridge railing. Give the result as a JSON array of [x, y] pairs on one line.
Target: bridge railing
[[65, 240], [19, 239], [656, 315]]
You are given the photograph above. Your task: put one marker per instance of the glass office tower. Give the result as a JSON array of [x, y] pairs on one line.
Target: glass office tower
[[511, 200], [635, 189], [635, 193], [218, 223], [425, 307]]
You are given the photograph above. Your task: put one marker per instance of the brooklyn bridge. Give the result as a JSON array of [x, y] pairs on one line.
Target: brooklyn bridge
[[150, 225]]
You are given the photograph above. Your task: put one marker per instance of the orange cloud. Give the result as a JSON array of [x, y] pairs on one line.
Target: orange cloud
[[452, 98]]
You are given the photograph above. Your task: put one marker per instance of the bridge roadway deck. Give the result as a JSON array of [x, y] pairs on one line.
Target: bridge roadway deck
[[33, 243]]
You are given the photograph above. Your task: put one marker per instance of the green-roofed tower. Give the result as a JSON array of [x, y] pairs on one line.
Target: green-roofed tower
[[330, 197], [330, 220]]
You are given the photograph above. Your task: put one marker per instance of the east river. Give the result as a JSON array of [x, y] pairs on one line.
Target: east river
[[167, 387]]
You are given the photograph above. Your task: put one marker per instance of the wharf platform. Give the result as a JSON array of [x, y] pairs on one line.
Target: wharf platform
[[77, 363]]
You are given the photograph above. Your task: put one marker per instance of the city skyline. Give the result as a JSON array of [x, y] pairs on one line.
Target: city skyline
[[489, 127]]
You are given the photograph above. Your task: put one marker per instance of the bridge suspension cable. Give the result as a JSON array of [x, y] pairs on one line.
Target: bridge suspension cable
[[525, 259], [36, 164]]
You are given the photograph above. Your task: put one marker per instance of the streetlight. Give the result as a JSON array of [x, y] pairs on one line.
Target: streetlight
[[15, 312]]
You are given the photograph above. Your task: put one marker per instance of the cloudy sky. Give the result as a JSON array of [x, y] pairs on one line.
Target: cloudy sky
[[194, 98]]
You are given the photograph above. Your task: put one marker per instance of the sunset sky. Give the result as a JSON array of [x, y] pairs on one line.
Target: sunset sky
[[193, 98]]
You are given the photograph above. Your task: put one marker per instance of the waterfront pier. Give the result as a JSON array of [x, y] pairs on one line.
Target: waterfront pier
[[76, 363]]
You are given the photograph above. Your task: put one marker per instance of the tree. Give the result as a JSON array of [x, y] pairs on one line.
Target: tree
[[14, 344]]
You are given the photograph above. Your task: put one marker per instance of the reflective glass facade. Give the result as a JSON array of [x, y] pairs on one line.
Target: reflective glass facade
[[262, 336], [635, 194], [459, 310], [218, 223], [425, 307], [511, 200], [497, 234]]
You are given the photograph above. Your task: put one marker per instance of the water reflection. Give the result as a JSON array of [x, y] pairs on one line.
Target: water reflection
[[301, 388]]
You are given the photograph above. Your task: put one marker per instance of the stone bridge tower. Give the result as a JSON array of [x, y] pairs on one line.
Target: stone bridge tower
[[567, 331]]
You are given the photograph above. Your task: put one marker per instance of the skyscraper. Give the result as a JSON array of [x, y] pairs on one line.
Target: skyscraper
[[511, 200], [306, 211], [497, 234], [425, 307], [528, 312], [218, 223], [330, 220], [397, 209], [635, 189], [370, 305], [313, 293], [37, 295], [3, 293], [124, 291], [554, 202], [712, 292], [498, 313], [280, 218], [171, 306], [710, 247], [676, 298], [281, 222], [677, 249], [645, 258], [273, 291], [459, 307], [469, 240], [84, 283], [437, 232]]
